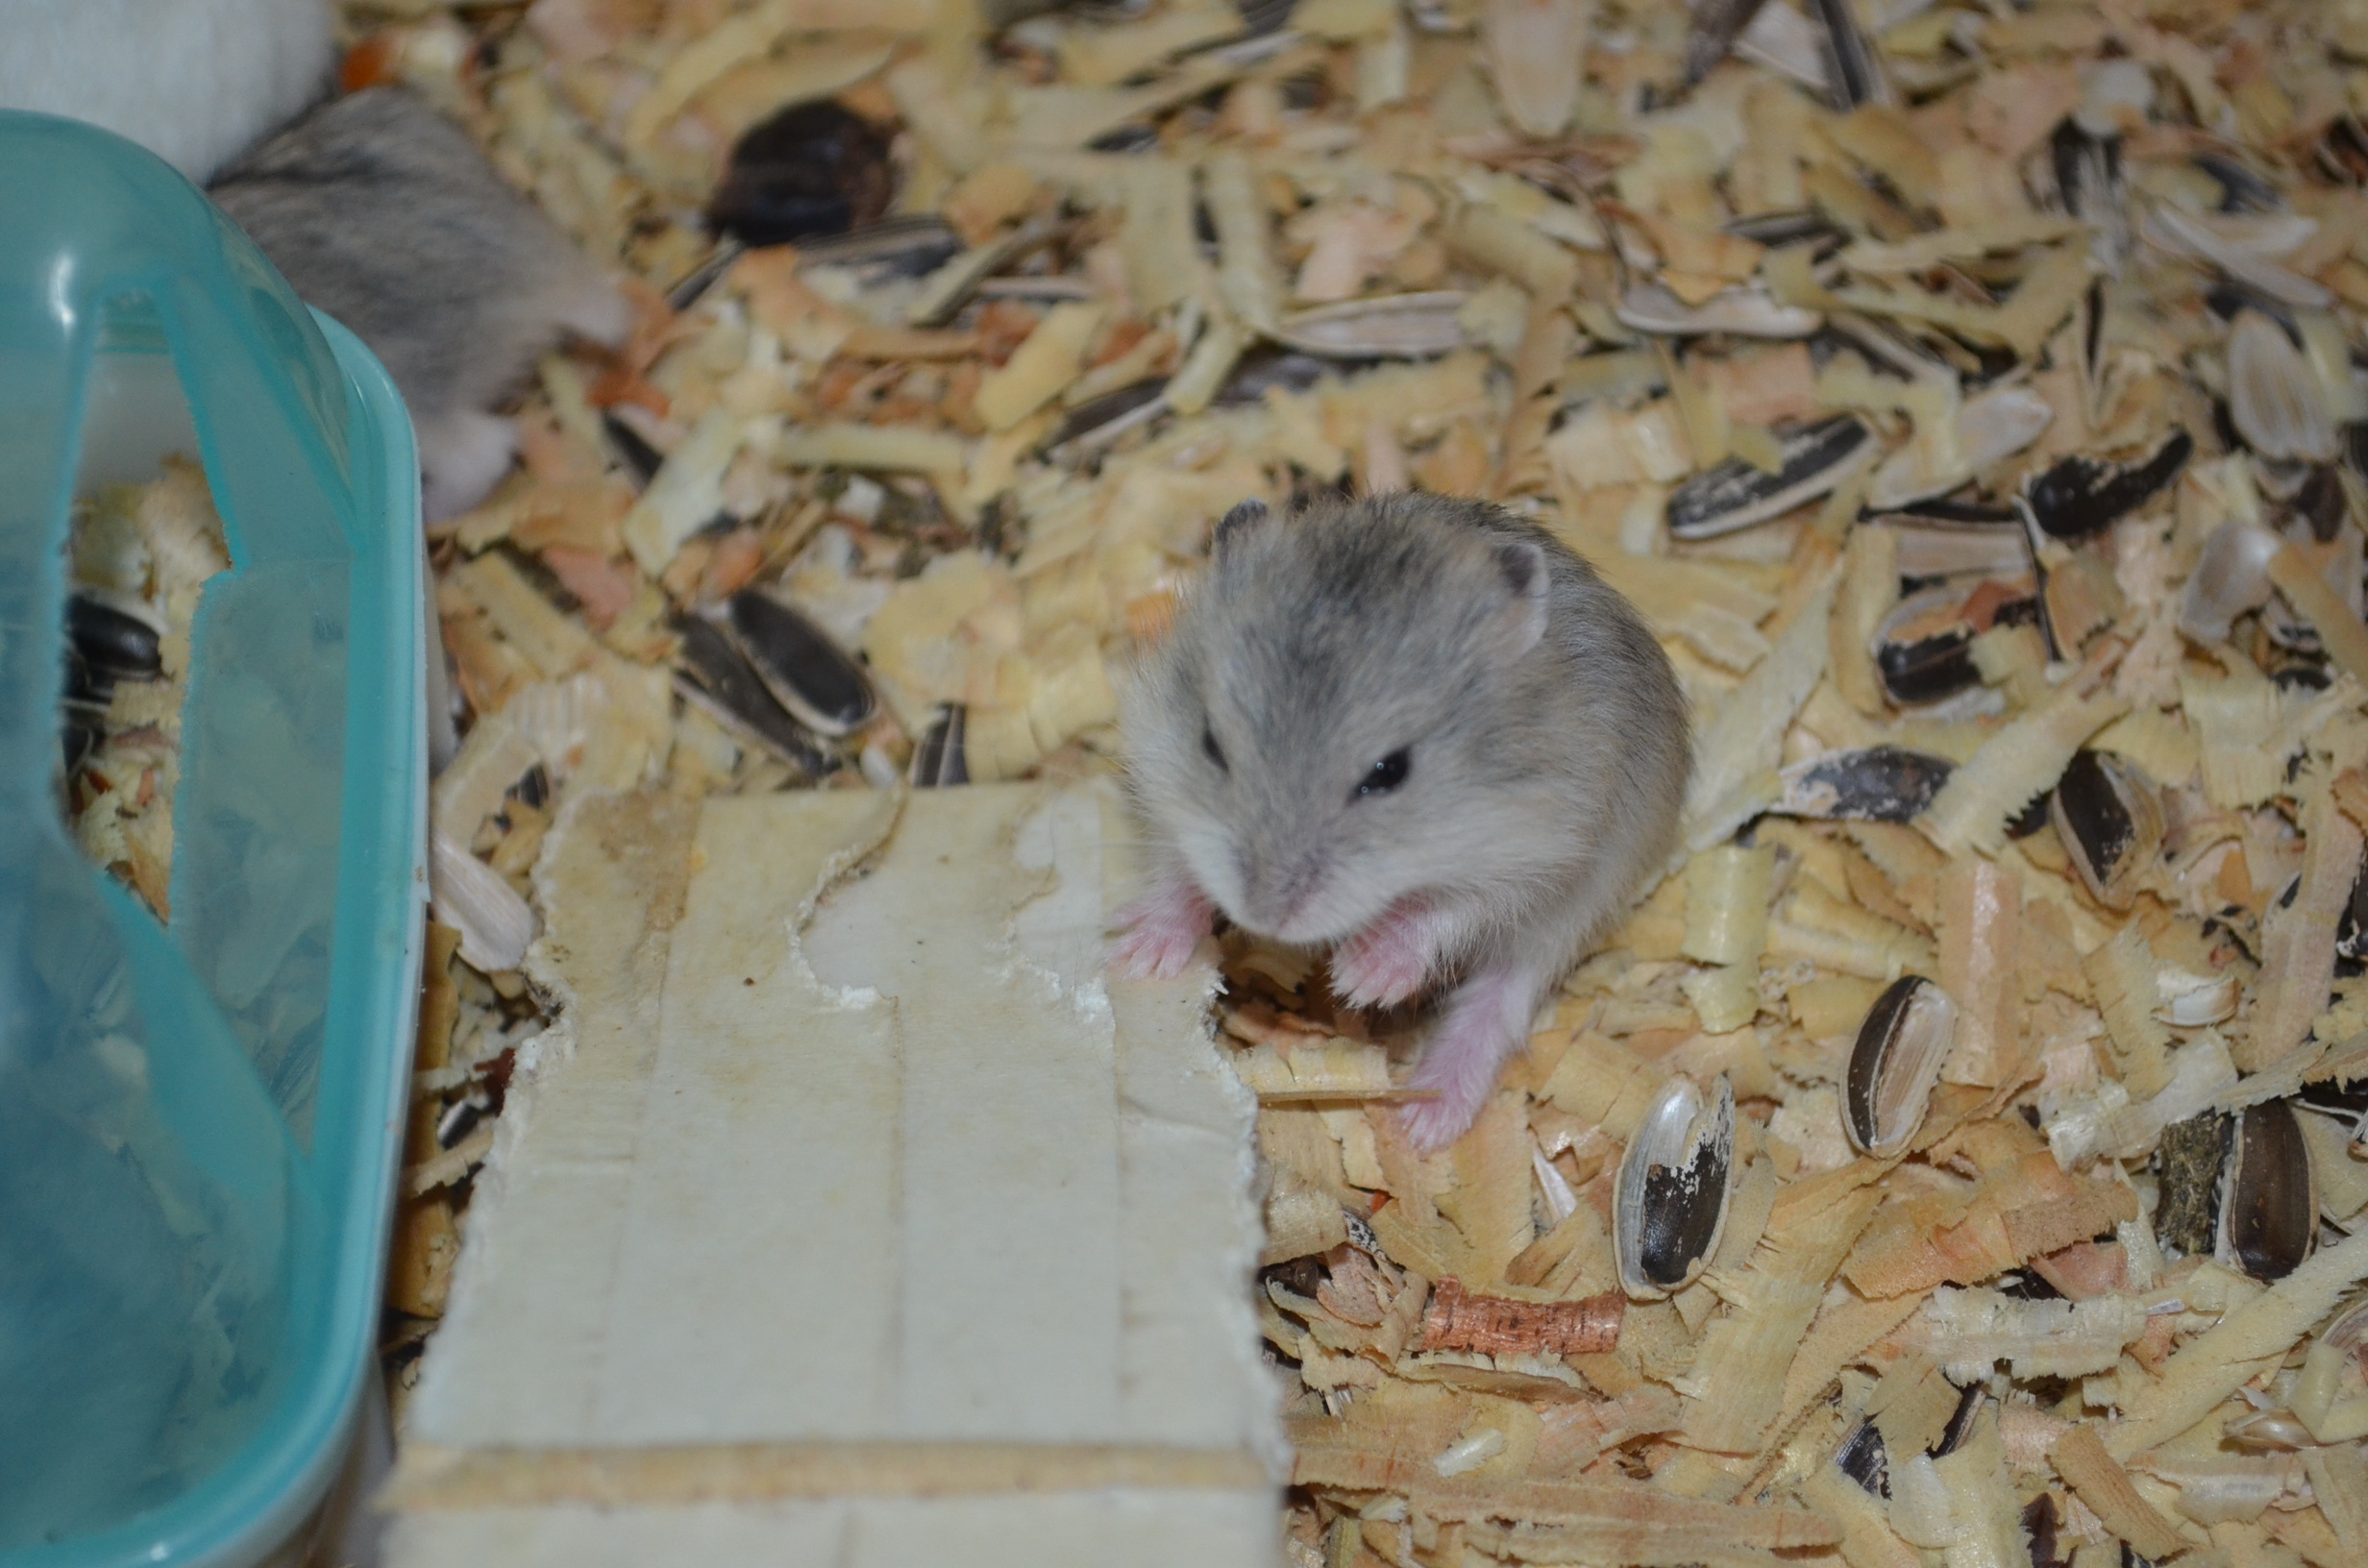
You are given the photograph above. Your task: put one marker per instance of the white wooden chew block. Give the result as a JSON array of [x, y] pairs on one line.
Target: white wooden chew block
[[851, 1216]]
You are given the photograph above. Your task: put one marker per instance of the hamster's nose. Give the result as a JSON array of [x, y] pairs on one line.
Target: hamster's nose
[[1273, 893]]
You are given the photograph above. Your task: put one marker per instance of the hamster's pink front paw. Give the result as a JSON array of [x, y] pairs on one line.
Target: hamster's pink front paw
[[1385, 963], [1161, 930]]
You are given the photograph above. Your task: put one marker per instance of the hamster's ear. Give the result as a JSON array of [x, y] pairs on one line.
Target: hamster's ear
[[1236, 526], [1525, 568]]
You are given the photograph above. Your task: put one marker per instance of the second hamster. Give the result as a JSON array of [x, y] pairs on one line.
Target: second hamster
[[383, 213], [1418, 731]]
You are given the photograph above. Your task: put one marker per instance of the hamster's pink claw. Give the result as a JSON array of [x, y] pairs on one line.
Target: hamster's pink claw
[[1162, 929], [1382, 964]]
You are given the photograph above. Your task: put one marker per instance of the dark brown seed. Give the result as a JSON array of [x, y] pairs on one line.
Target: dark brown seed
[[2272, 1208], [814, 169], [2188, 1162]]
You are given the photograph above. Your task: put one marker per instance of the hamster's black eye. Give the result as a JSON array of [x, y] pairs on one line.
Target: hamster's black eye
[[1385, 775], [1208, 743]]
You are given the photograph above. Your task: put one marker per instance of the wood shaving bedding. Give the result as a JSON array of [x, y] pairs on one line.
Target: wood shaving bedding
[[987, 479]]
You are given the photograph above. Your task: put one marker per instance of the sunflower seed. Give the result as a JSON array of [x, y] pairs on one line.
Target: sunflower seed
[[1924, 648], [1787, 42], [949, 287], [938, 760], [717, 680], [1392, 326], [115, 637], [1991, 426], [496, 925], [1896, 1062], [2192, 1002], [2081, 496], [2274, 395], [1535, 49], [2270, 1214], [2230, 579], [1716, 24], [2184, 234], [1734, 495], [807, 673], [2109, 821], [2343, 153], [1873, 784], [1670, 1200], [1747, 311], [1863, 1460], [902, 247], [1853, 70]]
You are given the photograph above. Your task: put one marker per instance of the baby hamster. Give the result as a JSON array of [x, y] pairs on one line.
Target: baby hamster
[[1420, 731], [195, 82], [383, 213]]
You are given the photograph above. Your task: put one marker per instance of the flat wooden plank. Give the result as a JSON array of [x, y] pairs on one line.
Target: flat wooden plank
[[853, 1205]]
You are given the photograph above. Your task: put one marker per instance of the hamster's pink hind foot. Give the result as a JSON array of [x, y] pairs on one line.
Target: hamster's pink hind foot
[[1389, 961], [1487, 1019], [1161, 929]]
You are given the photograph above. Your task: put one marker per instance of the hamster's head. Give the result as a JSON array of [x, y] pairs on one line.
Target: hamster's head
[[1334, 719]]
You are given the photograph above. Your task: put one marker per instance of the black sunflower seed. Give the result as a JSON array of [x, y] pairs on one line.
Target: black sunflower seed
[[807, 673], [1735, 495], [2081, 496], [717, 680], [1872, 784]]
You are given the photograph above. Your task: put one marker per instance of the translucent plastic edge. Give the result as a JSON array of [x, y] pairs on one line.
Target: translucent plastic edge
[[263, 1494]]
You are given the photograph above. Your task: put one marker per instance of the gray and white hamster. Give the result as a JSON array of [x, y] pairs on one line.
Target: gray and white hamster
[[1421, 732], [384, 214]]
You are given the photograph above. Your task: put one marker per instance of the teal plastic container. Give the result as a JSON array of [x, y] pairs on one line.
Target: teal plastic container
[[200, 1125]]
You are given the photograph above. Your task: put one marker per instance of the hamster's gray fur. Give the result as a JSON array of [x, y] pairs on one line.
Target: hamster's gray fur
[[383, 213], [1544, 742]]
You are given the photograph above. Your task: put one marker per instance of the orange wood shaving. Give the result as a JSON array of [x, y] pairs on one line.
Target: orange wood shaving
[[1499, 1326]]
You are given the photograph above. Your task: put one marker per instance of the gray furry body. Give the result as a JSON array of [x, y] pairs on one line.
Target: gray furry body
[[383, 213], [1544, 744]]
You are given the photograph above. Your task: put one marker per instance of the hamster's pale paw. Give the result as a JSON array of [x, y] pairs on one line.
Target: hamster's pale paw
[[1386, 962], [1431, 1125], [1162, 928], [1484, 1022], [462, 457]]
